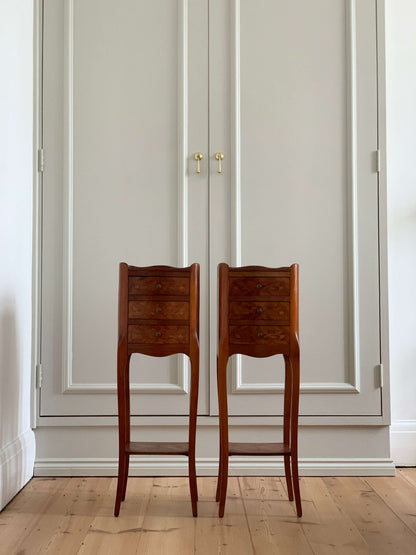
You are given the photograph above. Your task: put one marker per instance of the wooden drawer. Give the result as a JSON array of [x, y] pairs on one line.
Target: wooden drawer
[[260, 335], [158, 334], [259, 287], [260, 310], [160, 310], [158, 286]]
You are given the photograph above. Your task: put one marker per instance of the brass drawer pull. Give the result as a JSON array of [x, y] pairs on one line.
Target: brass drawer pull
[[198, 157], [158, 334], [259, 310], [158, 286], [219, 156], [158, 309], [259, 286], [260, 334]]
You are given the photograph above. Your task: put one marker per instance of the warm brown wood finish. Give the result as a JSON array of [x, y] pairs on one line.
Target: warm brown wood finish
[[158, 316], [158, 287], [259, 286], [159, 310], [158, 334], [254, 304], [260, 311], [263, 449], [269, 335], [154, 448]]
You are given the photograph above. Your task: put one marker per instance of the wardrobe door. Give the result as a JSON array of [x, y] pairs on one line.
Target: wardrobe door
[[125, 99], [293, 107]]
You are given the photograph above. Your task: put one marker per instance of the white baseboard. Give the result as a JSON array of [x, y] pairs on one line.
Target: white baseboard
[[16, 465], [239, 466], [403, 442]]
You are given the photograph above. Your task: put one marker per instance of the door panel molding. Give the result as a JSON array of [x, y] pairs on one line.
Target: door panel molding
[[181, 386], [353, 384]]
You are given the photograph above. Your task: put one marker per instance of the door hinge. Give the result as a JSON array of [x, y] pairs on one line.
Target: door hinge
[[380, 372], [38, 376], [41, 160], [377, 157]]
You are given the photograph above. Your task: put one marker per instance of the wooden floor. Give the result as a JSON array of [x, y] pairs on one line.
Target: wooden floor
[[341, 515]]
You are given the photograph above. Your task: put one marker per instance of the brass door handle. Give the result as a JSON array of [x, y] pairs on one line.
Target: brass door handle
[[219, 156], [198, 157]]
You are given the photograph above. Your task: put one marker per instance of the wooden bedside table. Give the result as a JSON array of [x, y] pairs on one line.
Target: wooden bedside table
[[158, 316], [259, 317]]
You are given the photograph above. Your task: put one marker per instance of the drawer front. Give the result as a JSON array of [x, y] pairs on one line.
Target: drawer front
[[259, 287], [158, 286], [260, 310], [160, 310], [260, 335], [158, 334]]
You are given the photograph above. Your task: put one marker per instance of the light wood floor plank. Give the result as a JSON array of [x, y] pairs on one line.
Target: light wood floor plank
[[400, 495], [228, 535], [408, 473], [90, 495], [168, 526], [343, 515], [272, 520], [110, 535], [383, 531], [62, 503], [327, 526], [25, 513]]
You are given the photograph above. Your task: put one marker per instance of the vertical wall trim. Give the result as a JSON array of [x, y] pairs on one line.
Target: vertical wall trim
[[354, 323], [37, 207], [183, 232], [236, 246], [382, 207], [183, 132], [68, 195], [236, 138]]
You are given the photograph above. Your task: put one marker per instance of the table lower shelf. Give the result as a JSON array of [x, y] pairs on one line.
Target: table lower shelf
[[261, 449], [155, 448]]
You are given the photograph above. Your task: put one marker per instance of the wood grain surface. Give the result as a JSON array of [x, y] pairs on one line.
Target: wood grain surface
[[341, 515]]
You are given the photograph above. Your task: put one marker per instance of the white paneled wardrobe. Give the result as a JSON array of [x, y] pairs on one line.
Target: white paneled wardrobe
[[292, 95]]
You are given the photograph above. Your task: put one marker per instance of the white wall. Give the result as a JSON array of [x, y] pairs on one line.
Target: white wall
[[401, 189], [16, 177]]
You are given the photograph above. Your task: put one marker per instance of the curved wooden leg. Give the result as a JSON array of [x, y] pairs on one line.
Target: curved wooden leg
[[193, 409], [126, 475], [193, 484], [217, 494], [123, 431], [288, 476], [294, 432], [219, 480], [223, 486], [223, 412], [120, 482], [127, 432], [286, 423]]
